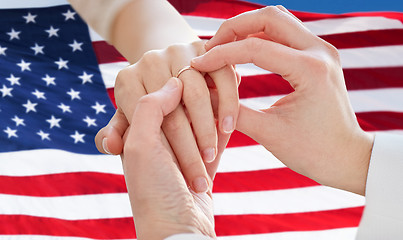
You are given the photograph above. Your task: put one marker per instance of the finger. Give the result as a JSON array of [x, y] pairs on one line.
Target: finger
[[278, 25], [282, 8], [268, 55], [222, 143], [152, 108], [225, 80], [196, 98], [178, 131], [109, 139]]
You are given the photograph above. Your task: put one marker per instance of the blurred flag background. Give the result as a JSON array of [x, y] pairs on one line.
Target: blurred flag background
[[56, 91]]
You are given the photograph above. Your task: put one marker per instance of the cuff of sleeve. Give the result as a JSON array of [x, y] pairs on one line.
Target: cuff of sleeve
[[187, 236], [383, 214]]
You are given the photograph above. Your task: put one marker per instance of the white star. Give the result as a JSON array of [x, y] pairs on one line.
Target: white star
[[76, 46], [14, 34], [38, 49], [3, 51], [62, 63], [43, 135], [54, 122], [49, 80], [99, 108], [90, 121], [69, 15], [10, 132], [64, 108], [24, 65], [74, 94], [86, 77], [6, 91], [30, 106], [30, 18], [14, 80], [78, 137], [39, 94], [18, 121], [52, 31]]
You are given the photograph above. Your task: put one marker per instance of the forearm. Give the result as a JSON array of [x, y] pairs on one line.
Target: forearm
[[144, 25], [137, 26]]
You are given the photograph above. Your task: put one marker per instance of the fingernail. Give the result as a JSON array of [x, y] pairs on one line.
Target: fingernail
[[195, 60], [105, 146], [172, 84], [228, 124], [209, 155], [200, 185]]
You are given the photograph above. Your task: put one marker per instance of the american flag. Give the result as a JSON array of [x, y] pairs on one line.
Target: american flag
[[56, 75]]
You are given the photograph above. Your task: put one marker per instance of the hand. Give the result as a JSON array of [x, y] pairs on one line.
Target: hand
[[193, 120], [312, 130], [161, 202]]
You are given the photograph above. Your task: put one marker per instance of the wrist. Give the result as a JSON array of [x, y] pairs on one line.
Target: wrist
[[359, 155]]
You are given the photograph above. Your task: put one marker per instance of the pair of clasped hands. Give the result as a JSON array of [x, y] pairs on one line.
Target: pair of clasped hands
[[171, 132]]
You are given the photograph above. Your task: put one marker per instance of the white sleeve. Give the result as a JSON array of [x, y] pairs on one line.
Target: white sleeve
[[99, 14], [383, 214], [188, 236]]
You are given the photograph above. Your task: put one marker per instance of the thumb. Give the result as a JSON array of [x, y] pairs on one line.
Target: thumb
[[253, 123], [109, 138], [152, 108]]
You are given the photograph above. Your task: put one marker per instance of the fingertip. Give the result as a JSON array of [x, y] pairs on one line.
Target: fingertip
[[200, 185]]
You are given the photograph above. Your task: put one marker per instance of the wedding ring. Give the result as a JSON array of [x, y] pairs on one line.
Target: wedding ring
[[184, 69]]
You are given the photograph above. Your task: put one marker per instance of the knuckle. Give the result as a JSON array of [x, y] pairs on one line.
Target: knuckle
[[172, 124], [151, 58], [194, 94], [254, 45], [147, 101]]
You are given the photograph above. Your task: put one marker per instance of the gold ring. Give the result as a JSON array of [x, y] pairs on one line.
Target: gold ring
[[185, 69]]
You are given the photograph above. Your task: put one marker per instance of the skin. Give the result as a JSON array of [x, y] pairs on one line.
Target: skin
[[158, 192], [138, 35], [313, 130]]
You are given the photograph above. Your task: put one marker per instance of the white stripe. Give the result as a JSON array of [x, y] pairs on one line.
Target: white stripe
[[352, 24], [109, 72], [205, 26], [318, 198], [369, 57], [49, 161], [332, 234], [297, 200], [81, 207], [94, 35], [248, 158], [389, 99], [7, 4]]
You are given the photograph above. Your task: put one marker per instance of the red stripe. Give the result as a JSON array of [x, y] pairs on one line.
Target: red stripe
[[71, 184], [230, 8], [106, 53], [380, 121], [308, 221], [356, 79], [123, 228], [263, 180], [63, 184], [371, 38], [116, 228]]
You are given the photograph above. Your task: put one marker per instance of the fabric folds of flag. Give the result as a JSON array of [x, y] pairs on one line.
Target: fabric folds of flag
[[55, 79]]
